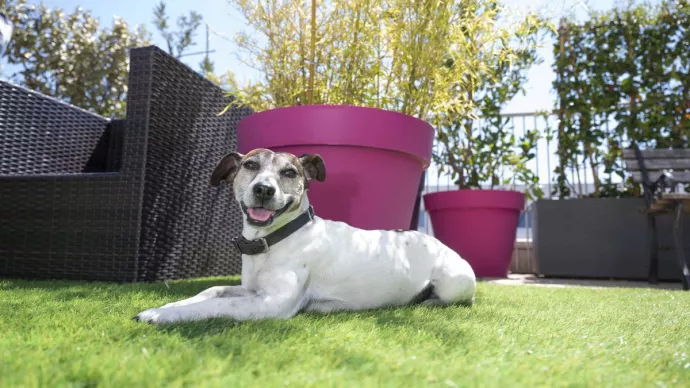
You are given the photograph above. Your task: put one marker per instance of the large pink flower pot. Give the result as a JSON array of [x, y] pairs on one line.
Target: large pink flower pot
[[374, 158], [480, 225]]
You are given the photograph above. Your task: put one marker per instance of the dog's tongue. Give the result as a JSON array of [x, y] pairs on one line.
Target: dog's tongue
[[260, 214]]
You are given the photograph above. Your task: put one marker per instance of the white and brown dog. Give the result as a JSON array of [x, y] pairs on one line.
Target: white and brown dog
[[294, 261]]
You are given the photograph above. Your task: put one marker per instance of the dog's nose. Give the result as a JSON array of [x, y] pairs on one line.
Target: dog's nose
[[264, 192]]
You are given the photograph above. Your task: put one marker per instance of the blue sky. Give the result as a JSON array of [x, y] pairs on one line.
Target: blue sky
[[226, 21]]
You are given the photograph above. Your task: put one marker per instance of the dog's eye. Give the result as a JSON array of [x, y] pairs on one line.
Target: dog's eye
[[289, 173], [249, 165]]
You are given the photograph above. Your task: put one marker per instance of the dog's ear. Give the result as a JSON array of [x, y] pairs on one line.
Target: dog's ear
[[313, 165], [226, 168]]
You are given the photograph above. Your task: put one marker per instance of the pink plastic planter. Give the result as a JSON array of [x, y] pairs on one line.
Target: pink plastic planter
[[374, 158], [480, 225]]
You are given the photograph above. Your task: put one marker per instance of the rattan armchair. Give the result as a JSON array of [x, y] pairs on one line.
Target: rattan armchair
[[89, 198]]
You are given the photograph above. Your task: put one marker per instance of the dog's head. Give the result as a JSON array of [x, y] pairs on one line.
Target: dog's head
[[268, 184]]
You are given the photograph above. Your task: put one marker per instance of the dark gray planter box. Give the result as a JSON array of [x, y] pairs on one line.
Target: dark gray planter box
[[601, 238]]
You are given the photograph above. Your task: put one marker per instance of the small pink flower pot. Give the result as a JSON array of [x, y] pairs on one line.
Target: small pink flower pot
[[480, 225]]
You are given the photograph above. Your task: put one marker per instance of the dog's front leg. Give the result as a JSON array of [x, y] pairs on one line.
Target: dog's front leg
[[282, 297], [210, 293]]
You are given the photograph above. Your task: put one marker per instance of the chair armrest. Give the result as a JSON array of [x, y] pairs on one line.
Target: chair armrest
[[42, 135]]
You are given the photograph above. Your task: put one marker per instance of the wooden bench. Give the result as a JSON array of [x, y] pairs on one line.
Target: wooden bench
[[662, 172]]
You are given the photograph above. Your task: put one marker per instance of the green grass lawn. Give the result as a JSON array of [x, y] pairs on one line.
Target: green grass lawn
[[55, 334]]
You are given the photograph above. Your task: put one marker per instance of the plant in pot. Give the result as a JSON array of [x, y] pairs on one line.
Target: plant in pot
[[484, 156], [358, 83], [617, 84]]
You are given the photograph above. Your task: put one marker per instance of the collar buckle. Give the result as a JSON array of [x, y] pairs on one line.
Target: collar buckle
[[265, 246], [250, 247]]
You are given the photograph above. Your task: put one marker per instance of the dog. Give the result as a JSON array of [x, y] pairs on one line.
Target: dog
[[294, 261]]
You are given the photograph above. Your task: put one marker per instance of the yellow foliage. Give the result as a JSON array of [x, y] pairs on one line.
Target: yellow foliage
[[423, 58]]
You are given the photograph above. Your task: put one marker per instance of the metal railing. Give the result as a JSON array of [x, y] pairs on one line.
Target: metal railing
[[523, 260], [543, 165]]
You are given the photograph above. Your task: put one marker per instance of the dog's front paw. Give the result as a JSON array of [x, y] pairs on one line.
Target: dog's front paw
[[156, 316]]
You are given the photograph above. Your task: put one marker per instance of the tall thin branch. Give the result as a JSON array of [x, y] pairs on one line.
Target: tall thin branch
[[310, 92]]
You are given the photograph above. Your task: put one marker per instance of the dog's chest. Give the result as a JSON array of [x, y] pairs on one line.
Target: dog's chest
[[260, 271]]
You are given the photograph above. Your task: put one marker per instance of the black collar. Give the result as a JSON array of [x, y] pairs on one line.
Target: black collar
[[262, 245]]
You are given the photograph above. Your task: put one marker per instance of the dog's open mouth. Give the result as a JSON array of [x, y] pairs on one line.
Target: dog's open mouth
[[261, 216]]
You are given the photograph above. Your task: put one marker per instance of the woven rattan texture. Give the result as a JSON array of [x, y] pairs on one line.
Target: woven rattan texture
[[76, 226], [40, 135], [156, 218], [187, 224]]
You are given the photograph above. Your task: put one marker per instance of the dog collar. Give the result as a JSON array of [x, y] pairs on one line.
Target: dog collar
[[262, 245]]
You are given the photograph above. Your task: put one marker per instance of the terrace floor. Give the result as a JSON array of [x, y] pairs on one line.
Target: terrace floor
[[535, 280]]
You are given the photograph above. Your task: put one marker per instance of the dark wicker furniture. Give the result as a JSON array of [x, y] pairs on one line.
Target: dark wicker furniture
[[83, 197]]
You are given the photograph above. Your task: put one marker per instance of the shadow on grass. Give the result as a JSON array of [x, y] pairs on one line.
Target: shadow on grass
[[240, 339], [327, 334], [275, 332]]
